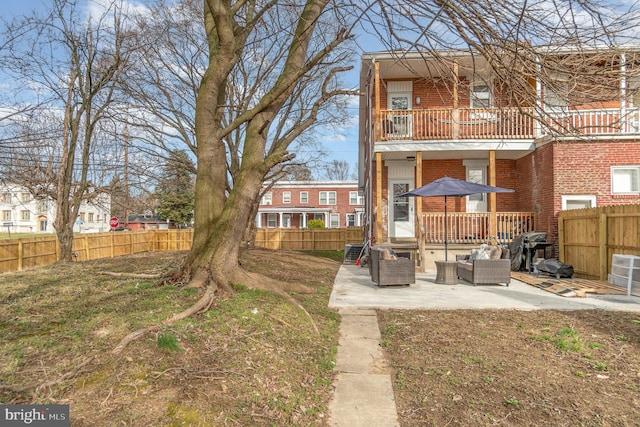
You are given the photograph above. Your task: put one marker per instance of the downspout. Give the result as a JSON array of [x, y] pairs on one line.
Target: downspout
[[623, 92]]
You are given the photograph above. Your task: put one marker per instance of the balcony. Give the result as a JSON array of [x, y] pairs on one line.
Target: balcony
[[503, 123], [473, 227]]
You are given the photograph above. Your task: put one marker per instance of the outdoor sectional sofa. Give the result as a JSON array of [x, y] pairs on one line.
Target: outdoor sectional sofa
[[487, 265]]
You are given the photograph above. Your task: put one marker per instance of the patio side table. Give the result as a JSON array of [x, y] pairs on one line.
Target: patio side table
[[446, 272]]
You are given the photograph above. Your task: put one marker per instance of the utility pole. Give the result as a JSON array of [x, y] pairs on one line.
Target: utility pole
[[126, 177]]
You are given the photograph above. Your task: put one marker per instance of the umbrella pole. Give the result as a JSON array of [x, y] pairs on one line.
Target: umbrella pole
[[446, 245]]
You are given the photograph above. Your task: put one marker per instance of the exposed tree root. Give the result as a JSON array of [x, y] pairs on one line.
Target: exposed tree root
[[203, 304], [36, 388], [134, 275], [239, 275], [253, 280]]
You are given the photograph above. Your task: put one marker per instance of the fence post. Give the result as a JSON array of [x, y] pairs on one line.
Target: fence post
[[20, 255], [561, 255], [602, 246], [113, 250], [86, 247]]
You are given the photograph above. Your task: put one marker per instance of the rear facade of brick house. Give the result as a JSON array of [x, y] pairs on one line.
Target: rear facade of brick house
[[417, 128]]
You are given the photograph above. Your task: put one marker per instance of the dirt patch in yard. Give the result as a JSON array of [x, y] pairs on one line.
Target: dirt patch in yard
[[514, 368], [256, 359]]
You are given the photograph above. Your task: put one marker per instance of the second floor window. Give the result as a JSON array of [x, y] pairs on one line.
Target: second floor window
[[25, 215], [286, 197], [481, 95], [25, 197], [327, 197], [266, 199], [6, 198], [354, 199], [304, 197], [90, 216], [625, 179]]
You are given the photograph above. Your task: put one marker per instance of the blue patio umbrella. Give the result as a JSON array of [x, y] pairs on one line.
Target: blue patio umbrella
[[447, 186]]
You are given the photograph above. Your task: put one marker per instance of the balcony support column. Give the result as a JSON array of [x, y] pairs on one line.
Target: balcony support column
[[377, 123], [420, 224], [455, 113], [493, 220], [378, 204]]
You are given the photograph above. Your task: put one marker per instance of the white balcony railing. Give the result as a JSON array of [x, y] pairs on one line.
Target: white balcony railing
[[473, 227], [504, 123]]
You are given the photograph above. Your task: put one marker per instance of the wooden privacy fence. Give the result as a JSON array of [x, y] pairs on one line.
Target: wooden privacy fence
[[588, 238], [18, 254], [308, 239]]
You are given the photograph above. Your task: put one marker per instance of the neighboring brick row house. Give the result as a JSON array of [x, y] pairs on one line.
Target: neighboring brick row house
[[424, 117], [21, 212], [292, 204]]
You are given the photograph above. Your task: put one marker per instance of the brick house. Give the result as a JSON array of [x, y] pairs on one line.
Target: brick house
[[423, 120], [292, 204]]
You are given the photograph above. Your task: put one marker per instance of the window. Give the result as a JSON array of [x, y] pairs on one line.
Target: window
[[578, 202], [334, 221], [556, 93], [355, 199], [267, 198], [327, 197], [286, 221], [6, 215], [286, 197], [481, 95], [304, 197], [351, 220], [625, 179], [90, 216], [82, 215], [272, 220], [6, 198], [25, 197], [318, 216], [25, 215], [42, 206]]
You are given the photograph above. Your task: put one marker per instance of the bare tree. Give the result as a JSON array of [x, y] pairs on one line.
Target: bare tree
[[300, 56], [337, 170], [521, 43], [75, 60]]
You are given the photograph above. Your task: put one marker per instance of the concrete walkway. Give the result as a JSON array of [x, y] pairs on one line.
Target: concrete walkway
[[363, 393]]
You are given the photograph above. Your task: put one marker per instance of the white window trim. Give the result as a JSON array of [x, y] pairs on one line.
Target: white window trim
[[328, 198], [331, 218], [267, 198], [477, 82], [286, 197], [346, 219], [576, 197], [270, 215], [304, 200], [620, 167]]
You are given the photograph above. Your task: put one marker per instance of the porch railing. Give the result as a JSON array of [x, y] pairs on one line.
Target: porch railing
[[594, 122], [462, 123], [503, 123], [473, 228]]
